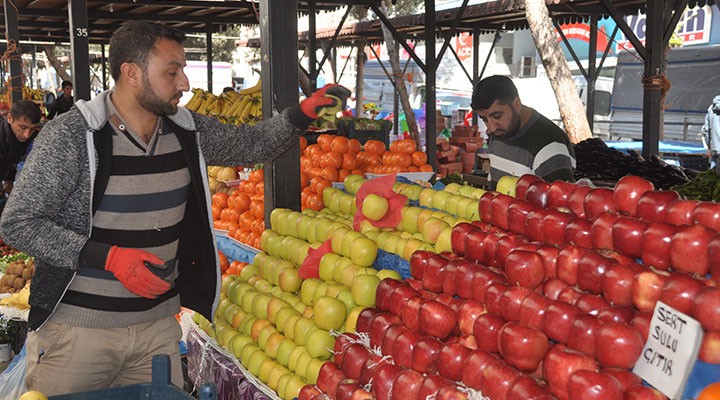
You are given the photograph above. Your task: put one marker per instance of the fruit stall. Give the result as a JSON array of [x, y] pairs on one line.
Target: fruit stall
[[388, 287]]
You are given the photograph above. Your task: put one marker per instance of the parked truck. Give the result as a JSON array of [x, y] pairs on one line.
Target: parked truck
[[693, 73]]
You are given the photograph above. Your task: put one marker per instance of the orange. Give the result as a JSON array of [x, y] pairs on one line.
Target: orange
[[355, 145], [406, 146], [243, 202], [303, 143], [710, 392], [340, 144], [426, 168], [349, 162], [220, 199], [329, 173], [325, 142], [419, 158], [375, 146]]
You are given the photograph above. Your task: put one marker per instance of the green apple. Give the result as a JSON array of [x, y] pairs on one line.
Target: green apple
[[319, 344], [389, 273], [329, 313], [302, 364], [426, 196], [367, 226], [265, 368], [307, 291], [247, 301], [301, 329], [275, 375], [462, 207], [320, 291], [255, 361], [400, 247], [275, 219], [374, 207], [346, 204], [452, 202], [222, 307], [272, 344], [282, 317], [301, 253], [424, 215], [274, 305], [249, 271], [390, 243], [363, 252], [289, 328], [230, 312], [465, 190], [289, 280], [439, 199], [327, 265], [292, 387], [348, 240], [282, 384], [363, 290], [413, 192], [264, 335], [246, 326], [453, 188], [432, 228], [348, 273], [284, 350], [443, 241], [294, 356], [238, 318], [226, 280], [300, 307], [257, 326], [260, 305], [410, 247], [247, 352], [336, 238], [237, 343], [472, 212], [352, 318], [313, 370], [477, 193], [322, 229]]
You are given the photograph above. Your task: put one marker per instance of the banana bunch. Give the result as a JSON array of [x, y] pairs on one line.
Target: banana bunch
[[33, 94], [19, 300], [244, 107]]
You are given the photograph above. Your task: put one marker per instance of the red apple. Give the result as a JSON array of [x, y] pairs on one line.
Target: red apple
[[706, 308], [710, 348], [559, 194], [436, 319], [623, 314], [452, 361], [591, 269], [346, 388], [469, 311], [578, 232], [379, 326], [576, 201], [534, 224], [474, 246], [592, 385], [570, 295], [486, 329], [554, 225], [493, 294], [507, 244], [448, 277], [567, 263], [511, 300], [432, 385], [656, 244], [647, 288], [482, 279], [598, 201], [627, 235], [310, 392], [496, 379], [628, 191], [525, 268], [552, 287], [559, 318], [618, 345], [425, 354], [583, 334], [641, 323], [475, 364], [537, 193], [549, 254], [653, 204], [407, 385], [713, 254], [617, 283], [642, 392], [368, 370], [342, 342], [402, 350], [527, 388], [592, 304], [517, 215], [399, 297], [354, 359], [365, 318], [464, 278], [626, 378], [533, 309], [383, 379], [680, 291], [559, 364], [414, 283], [707, 214], [418, 262], [601, 231], [410, 314], [680, 212], [485, 207], [383, 293], [433, 273], [329, 378], [688, 249], [457, 239], [521, 346], [523, 183], [390, 337], [451, 392], [499, 210]]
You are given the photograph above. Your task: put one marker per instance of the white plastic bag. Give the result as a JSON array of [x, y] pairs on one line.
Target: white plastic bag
[[12, 380]]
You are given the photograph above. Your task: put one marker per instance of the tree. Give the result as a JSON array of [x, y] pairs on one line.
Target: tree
[[223, 44], [571, 107]]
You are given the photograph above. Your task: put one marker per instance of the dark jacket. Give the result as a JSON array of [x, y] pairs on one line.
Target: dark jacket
[[61, 105], [49, 214], [12, 151]]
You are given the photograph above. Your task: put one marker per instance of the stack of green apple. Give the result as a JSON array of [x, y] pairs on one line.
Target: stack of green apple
[[309, 225], [339, 201], [453, 203]]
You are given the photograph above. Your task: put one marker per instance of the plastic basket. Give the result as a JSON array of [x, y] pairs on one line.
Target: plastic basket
[[159, 389], [348, 129]]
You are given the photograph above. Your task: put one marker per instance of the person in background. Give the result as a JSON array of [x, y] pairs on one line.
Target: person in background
[[17, 132], [63, 103], [522, 141], [113, 203], [711, 131], [228, 89]]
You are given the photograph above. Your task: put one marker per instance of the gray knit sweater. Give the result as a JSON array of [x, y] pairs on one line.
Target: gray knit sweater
[[49, 212]]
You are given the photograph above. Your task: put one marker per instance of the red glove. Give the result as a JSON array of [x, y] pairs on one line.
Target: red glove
[[128, 266], [313, 104]]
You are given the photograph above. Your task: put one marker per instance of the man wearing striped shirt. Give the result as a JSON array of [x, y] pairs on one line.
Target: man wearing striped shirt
[[113, 202], [521, 140]]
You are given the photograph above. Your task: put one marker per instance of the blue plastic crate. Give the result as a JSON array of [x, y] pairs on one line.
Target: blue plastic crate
[[159, 389]]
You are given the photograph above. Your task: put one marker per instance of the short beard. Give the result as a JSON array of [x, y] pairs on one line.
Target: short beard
[[151, 102]]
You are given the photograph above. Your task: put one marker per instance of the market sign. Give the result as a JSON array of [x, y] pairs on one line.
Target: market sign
[[381, 50], [581, 32], [693, 28], [670, 351], [464, 46]]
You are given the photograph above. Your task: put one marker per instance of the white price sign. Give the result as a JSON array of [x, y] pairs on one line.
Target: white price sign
[[670, 351]]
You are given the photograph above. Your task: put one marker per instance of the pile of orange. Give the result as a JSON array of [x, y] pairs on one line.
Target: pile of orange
[[242, 213], [230, 268], [402, 157], [330, 160]]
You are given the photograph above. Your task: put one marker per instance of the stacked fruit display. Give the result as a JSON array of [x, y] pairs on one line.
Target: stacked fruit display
[[550, 295], [241, 211], [17, 274], [243, 107]]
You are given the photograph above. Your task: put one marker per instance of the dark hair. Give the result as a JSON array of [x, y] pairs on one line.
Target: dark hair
[[27, 109], [134, 40], [228, 89], [493, 88], [66, 84]]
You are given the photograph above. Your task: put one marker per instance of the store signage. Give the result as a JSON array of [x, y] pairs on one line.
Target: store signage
[[693, 28], [464, 45], [670, 351], [582, 32], [381, 50]]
